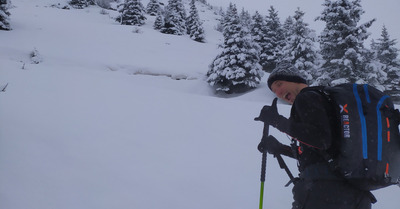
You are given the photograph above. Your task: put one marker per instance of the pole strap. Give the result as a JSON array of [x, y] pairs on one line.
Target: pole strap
[[283, 165]]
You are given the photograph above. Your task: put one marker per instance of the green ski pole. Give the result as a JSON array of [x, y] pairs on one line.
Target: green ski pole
[[263, 166]]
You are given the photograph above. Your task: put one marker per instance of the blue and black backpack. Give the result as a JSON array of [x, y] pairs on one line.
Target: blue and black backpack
[[369, 141]]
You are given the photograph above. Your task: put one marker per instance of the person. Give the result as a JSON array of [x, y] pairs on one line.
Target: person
[[312, 128]]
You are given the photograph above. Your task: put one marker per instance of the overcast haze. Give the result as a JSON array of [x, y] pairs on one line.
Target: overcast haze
[[385, 12]]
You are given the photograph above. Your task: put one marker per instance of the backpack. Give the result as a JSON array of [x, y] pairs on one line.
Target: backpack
[[369, 141]]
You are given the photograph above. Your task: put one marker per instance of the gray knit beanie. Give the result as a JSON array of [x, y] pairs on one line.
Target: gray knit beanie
[[285, 71]]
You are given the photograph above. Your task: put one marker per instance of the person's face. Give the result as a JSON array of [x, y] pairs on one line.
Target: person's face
[[287, 91]]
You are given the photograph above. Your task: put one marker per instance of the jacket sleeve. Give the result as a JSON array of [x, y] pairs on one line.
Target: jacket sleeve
[[312, 124]]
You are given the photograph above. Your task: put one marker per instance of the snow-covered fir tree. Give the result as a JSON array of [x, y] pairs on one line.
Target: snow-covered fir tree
[[80, 4], [385, 49], [257, 29], [194, 25], [36, 57], [373, 73], [288, 26], [274, 41], [132, 13], [153, 7], [175, 18], [219, 27], [237, 68], [386, 53], [159, 21], [341, 43], [300, 47], [5, 15], [245, 18]]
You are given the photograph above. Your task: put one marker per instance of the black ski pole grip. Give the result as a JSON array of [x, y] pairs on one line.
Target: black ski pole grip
[[266, 130]]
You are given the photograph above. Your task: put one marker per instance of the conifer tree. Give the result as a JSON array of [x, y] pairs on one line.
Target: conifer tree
[[288, 26], [175, 18], [245, 18], [80, 4], [219, 27], [386, 53], [236, 69], [5, 15], [386, 50], [194, 26], [132, 13], [159, 22], [153, 7], [341, 42], [257, 29], [274, 41], [300, 47]]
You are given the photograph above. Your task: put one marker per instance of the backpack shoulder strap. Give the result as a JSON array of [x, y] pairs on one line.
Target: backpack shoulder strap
[[328, 157], [322, 90]]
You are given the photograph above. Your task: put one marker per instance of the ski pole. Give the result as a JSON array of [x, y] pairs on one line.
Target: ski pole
[[263, 166]]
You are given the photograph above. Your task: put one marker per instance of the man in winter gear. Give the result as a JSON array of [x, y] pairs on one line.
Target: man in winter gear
[[312, 128]]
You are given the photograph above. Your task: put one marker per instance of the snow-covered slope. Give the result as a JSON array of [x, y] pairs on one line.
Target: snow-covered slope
[[116, 119]]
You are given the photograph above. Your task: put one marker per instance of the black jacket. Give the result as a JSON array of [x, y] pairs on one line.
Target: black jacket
[[311, 125]]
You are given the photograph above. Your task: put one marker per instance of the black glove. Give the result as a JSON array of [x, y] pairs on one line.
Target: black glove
[[270, 144], [269, 114]]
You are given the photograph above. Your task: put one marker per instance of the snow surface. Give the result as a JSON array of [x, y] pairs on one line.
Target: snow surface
[[110, 118]]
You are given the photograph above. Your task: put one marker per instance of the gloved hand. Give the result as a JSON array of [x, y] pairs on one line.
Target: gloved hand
[[270, 144], [269, 114]]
